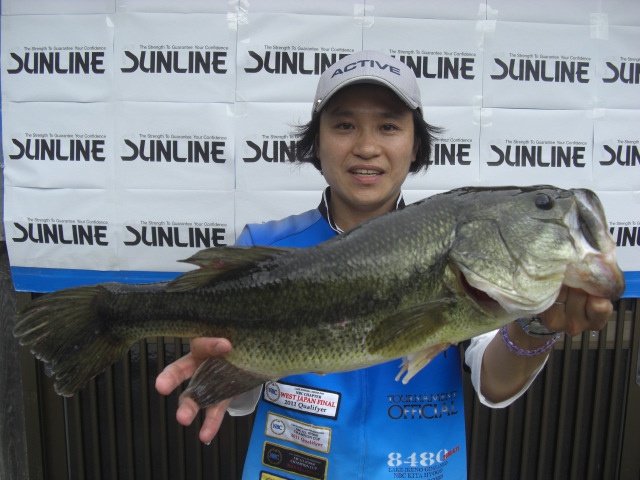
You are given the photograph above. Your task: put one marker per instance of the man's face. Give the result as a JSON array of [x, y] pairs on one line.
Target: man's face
[[366, 145]]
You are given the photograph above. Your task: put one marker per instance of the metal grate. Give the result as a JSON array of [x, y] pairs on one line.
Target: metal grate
[[119, 427], [570, 423], [573, 423]]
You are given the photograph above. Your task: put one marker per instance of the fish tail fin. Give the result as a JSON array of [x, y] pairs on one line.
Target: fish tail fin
[[217, 379], [66, 330]]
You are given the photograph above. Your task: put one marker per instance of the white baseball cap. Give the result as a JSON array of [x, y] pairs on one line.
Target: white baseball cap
[[369, 66]]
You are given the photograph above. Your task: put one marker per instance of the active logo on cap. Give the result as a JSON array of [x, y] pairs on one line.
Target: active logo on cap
[[363, 63]]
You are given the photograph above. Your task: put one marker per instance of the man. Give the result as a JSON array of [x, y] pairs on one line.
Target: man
[[366, 134]]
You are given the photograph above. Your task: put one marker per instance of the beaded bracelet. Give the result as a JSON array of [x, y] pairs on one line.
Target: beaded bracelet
[[513, 348]]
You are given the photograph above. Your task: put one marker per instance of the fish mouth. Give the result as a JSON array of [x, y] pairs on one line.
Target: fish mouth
[[597, 272], [481, 298]]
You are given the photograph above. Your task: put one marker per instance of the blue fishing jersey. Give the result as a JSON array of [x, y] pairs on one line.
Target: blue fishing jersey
[[360, 424]]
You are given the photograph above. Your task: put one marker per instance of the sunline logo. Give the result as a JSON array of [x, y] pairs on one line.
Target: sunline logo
[[63, 149], [625, 72], [296, 63], [542, 70], [176, 61], [441, 67], [71, 62], [539, 156], [178, 151], [623, 155]]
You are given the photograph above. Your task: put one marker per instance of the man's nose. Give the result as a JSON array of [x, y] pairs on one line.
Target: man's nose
[[366, 145]]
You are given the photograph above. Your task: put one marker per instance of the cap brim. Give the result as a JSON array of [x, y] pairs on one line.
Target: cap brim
[[366, 79]]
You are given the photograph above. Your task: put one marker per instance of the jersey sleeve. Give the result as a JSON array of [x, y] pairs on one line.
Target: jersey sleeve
[[473, 358]]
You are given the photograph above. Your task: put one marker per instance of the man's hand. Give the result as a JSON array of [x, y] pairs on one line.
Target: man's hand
[[575, 311], [183, 369]]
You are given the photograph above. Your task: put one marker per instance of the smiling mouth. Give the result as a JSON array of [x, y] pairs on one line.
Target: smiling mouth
[[366, 172]]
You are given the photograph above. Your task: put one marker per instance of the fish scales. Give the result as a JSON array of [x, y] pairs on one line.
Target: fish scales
[[435, 273]]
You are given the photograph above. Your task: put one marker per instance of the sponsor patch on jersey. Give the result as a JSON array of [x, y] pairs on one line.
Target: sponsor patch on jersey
[[271, 476], [294, 461], [302, 399], [300, 433]]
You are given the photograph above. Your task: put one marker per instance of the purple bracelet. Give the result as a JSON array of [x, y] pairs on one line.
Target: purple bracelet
[[513, 348]]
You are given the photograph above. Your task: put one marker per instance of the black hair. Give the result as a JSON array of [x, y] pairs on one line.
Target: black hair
[[423, 132]]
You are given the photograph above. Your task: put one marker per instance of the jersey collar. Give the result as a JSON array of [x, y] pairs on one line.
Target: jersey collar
[[325, 212]]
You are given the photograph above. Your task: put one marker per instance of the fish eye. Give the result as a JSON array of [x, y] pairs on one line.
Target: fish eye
[[544, 201]]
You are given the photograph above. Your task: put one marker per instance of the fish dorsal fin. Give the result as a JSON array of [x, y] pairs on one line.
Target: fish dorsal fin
[[409, 327], [222, 262]]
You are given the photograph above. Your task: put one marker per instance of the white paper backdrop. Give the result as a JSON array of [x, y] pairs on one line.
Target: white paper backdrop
[[136, 132]]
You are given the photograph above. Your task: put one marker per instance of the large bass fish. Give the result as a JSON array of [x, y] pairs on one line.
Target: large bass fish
[[406, 284]]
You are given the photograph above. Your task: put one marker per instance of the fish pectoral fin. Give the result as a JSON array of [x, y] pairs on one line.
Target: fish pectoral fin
[[222, 262], [415, 362], [409, 327]]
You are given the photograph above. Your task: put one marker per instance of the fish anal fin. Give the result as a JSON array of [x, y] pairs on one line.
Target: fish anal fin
[[222, 262], [409, 327], [415, 362], [217, 379]]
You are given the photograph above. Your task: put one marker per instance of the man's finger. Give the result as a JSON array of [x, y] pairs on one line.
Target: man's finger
[[209, 347], [175, 374], [212, 421], [598, 311], [187, 411]]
